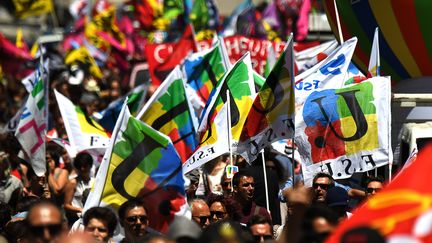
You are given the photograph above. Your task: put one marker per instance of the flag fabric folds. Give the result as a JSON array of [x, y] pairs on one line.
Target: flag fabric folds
[[272, 114], [83, 132], [32, 126], [169, 112], [346, 130], [140, 163], [203, 70], [329, 73], [25, 8], [401, 212], [374, 60]]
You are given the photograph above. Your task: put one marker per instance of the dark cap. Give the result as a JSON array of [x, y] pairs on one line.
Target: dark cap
[[337, 196]]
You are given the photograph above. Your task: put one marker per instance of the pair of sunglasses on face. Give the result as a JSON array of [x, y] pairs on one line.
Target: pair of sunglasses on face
[[133, 219], [203, 219], [53, 229], [371, 189], [320, 185]]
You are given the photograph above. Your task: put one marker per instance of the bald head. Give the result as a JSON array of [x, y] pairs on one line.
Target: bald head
[[45, 222], [200, 212]]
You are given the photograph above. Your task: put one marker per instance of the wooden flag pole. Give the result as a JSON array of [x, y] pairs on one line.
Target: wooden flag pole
[[265, 180], [338, 22]]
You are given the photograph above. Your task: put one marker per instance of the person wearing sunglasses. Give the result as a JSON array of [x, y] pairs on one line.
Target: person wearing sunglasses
[[45, 222], [374, 185], [260, 228], [134, 219], [200, 212], [100, 223], [321, 183], [219, 207]]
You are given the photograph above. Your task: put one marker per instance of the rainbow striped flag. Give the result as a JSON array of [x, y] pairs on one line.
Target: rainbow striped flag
[[83, 132], [240, 83], [271, 116], [203, 70], [169, 112], [140, 162]]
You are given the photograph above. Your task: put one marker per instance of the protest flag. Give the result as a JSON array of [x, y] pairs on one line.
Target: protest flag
[[270, 60], [19, 40], [345, 130], [204, 15], [169, 112], [271, 116], [83, 132], [159, 70], [309, 57], [25, 8], [32, 126], [12, 58], [374, 60], [401, 212], [140, 162], [329, 73], [82, 55]]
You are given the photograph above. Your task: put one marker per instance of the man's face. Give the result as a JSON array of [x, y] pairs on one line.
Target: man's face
[[261, 232], [135, 222], [246, 188], [373, 187], [45, 223], [98, 229], [321, 185], [201, 214]]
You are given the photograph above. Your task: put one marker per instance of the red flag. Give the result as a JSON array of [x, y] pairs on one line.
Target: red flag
[[160, 67], [402, 210], [12, 58]]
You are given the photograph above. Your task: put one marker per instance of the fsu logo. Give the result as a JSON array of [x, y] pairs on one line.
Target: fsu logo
[[341, 121]]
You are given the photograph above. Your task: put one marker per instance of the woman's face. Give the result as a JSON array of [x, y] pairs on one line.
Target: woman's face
[[218, 212], [98, 229]]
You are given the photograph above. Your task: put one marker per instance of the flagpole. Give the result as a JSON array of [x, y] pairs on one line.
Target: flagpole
[[229, 126], [338, 22], [265, 180]]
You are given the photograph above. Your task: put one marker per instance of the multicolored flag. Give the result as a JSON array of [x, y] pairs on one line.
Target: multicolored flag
[[401, 212], [140, 162], [330, 73], [374, 61], [311, 56], [270, 61], [346, 130], [32, 126], [271, 116], [239, 82], [217, 142], [25, 8], [108, 117], [169, 112], [159, 69], [203, 70], [83, 132]]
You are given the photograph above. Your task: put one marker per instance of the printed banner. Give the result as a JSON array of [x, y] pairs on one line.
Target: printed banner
[[347, 130]]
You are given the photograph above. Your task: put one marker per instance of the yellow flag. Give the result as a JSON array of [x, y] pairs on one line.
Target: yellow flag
[[27, 8], [82, 55]]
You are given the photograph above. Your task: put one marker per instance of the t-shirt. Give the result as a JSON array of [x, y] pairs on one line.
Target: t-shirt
[[7, 188]]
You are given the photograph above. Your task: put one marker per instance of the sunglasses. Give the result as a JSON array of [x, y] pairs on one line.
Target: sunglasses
[[322, 186], [218, 214], [226, 184], [371, 189], [54, 229], [142, 218], [265, 237], [202, 219]]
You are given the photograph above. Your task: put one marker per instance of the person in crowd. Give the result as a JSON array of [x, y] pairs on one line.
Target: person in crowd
[[10, 186], [45, 222], [200, 212], [260, 228], [57, 177], [321, 183], [243, 192], [226, 184], [100, 222], [226, 231], [337, 200], [16, 231], [77, 188], [183, 230], [219, 207], [133, 218], [374, 185], [318, 223]]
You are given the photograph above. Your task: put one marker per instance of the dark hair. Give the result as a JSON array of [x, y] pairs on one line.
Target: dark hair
[[238, 175], [134, 202], [323, 174], [16, 230], [103, 214], [369, 179], [258, 219], [83, 159], [5, 215], [52, 150], [231, 206]]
